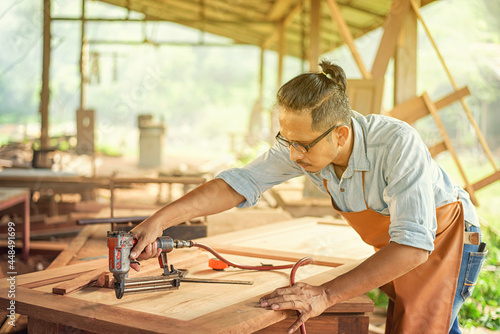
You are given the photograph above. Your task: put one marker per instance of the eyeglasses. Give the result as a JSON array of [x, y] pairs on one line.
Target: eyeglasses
[[304, 148]]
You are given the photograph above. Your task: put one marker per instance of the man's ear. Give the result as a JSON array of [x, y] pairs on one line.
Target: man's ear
[[343, 134]]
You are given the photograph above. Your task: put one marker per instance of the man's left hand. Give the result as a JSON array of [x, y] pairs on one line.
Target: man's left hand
[[309, 300]]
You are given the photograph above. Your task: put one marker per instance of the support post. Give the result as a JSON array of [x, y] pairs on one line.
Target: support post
[[45, 93], [83, 60], [405, 60], [314, 40], [281, 57], [261, 75], [387, 45]]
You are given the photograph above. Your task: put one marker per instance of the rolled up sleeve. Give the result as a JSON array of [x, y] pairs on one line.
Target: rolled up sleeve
[[409, 192]]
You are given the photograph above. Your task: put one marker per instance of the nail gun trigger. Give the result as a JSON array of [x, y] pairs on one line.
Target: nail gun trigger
[[135, 261]]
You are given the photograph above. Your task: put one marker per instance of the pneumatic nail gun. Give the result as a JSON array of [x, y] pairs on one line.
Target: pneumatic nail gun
[[120, 244]]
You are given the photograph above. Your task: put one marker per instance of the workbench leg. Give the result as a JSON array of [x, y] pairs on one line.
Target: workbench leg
[[351, 323], [355, 324], [39, 326]]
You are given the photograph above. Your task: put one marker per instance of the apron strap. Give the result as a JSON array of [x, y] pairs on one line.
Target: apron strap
[[364, 195], [325, 183]]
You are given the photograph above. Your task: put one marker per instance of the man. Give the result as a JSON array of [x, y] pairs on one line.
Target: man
[[382, 180]]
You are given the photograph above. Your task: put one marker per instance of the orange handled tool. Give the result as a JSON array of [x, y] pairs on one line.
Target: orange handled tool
[[217, 264]]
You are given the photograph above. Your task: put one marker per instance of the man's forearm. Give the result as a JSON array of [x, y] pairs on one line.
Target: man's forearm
[[210, 198], [389, 263]]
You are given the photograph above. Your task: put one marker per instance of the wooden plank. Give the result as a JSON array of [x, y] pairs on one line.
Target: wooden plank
[[447, 141], [366, 95], [388, 42], [48, 274], [79, 282], [49, 281], [437, 148], [414, 109], [410, 111], [56, 246], [486, 181], [75, 245], [339, 243], [261, 231], [453, 97]]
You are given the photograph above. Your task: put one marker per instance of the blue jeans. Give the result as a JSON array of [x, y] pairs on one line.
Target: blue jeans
[[471, 264]]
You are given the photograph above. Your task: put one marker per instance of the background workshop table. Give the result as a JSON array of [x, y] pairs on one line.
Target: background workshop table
[[11, 197], [202, 307]]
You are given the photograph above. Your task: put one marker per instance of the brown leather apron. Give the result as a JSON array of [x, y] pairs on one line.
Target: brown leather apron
[[422, 299]]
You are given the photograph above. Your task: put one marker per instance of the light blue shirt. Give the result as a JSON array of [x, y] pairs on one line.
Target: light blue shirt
[[401, 179]]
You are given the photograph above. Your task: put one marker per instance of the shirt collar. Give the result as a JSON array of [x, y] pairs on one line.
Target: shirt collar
[[358, 160]]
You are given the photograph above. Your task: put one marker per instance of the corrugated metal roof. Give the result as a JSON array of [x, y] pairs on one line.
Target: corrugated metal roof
[[256, 22]]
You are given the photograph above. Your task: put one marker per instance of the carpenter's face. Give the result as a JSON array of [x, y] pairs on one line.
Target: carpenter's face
[[297, 128]]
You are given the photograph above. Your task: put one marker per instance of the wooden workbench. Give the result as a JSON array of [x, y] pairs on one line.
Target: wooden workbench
[[10, 197], [203, 307]]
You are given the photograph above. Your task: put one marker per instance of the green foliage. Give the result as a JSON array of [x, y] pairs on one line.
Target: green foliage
[[379, 298], [108, 150], [247, 154]]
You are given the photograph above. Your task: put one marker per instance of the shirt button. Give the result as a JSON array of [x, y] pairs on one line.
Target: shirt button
[[342, 190]]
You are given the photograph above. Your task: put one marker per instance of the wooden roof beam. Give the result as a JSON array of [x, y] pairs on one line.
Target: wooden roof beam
[[347, 37], [279, 9], [286, 22], [387, 45], [214, 29]]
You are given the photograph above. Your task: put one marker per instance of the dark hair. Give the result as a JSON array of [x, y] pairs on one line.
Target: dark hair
[[322, 94]]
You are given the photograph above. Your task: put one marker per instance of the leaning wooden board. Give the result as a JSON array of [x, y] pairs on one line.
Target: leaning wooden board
[[330, 241], [195, 307]]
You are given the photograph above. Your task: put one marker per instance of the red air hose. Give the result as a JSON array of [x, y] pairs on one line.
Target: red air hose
[[233, 264], [302, 262]]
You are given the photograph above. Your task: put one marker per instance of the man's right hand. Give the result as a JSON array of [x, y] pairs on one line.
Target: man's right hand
[[147, 253], [146, 234]]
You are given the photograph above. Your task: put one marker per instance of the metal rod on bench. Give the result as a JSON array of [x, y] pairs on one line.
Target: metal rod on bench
[[119, 220]]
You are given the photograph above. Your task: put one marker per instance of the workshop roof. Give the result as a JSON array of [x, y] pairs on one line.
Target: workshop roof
[[256, 22]]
